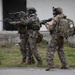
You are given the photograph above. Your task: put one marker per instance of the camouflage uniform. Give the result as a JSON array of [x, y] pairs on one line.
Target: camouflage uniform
[[25, 49], [32, 43], [34, 26], [24, 46], [55, 44]]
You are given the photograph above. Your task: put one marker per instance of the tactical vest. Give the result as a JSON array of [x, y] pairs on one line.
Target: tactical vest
[[35, 25], [65, 27]]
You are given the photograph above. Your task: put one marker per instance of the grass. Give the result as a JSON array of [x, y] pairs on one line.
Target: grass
[[10, 55]]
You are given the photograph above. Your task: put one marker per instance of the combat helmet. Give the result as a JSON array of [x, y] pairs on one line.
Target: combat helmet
[[57, 11], [31, 10]]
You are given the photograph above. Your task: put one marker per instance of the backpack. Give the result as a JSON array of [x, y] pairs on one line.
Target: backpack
[[66, 27]]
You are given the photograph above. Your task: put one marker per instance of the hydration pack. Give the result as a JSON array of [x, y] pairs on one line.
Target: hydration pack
[[66, 27]]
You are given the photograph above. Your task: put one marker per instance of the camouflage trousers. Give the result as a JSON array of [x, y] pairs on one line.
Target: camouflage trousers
[[33, 45], [25, 49], [56, 44]]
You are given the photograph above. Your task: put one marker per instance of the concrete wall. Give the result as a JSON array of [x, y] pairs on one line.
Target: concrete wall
[[9, 37], [13, 37], [47, 37]]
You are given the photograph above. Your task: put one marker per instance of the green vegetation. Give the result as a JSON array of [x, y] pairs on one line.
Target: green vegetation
[[10, 55]]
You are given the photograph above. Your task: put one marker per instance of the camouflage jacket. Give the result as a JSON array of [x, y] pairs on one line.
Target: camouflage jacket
[[32, 22]]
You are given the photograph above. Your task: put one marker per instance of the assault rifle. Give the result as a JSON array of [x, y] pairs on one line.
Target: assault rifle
[[45, 21], [15, 16]]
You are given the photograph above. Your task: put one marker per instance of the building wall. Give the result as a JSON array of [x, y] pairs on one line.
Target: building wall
[[1, 15], [13, 37], [44, 8]]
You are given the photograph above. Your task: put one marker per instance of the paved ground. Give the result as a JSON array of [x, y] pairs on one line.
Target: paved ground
[[35, 71]]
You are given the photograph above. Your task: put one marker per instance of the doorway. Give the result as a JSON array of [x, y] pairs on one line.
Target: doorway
[[10, 6]]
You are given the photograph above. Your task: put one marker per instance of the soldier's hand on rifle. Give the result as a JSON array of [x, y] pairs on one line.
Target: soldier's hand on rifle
[[49, 25]]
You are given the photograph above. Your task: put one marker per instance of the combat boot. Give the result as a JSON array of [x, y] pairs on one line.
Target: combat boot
[[23, 61], [31, 60], [49, 67], [64, 67]]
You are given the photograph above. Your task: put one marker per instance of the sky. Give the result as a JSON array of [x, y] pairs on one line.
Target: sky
[[44, 8]]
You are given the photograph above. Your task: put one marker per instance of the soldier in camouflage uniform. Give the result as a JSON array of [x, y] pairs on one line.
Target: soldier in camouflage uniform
[[25, 49], [24, 46], [33, 28], [57, 41]]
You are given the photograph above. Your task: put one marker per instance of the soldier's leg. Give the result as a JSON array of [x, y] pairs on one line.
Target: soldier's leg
[[50, 53], [61, 55], [30, 57], [23, 50], [32, 42]]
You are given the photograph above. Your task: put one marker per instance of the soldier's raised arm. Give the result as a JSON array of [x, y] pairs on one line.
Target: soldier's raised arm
[[29, 20], [18, 18]]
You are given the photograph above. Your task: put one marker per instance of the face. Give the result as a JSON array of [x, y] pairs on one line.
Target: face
[[55, 12]]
